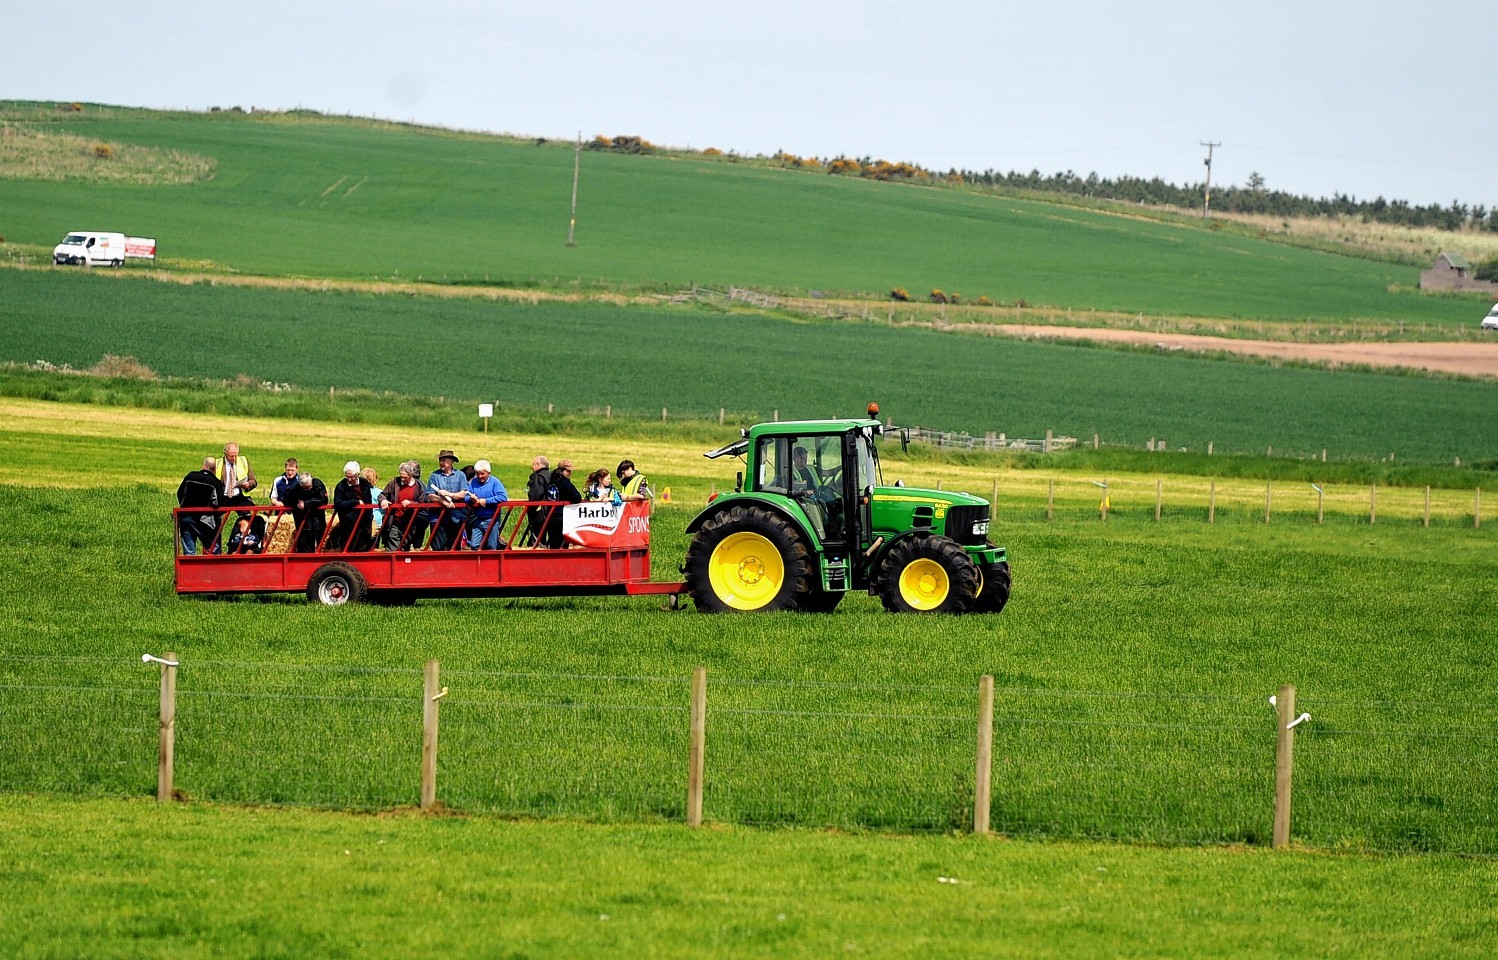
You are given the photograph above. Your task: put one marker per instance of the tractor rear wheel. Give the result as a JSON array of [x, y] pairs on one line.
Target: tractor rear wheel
[[335, 584], [993, 588], [928, 575], [748, 558]]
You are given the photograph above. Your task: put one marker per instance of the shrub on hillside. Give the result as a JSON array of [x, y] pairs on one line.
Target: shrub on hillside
[[103, 151], [938, 297], [901, 294], [983, 302], [712, 152]]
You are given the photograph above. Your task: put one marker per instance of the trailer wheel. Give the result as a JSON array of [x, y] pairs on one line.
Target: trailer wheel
[[335, 584], [993, 588], [748, 558], [928, 575]]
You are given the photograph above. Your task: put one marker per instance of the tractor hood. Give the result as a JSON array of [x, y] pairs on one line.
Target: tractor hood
[[961, 516]]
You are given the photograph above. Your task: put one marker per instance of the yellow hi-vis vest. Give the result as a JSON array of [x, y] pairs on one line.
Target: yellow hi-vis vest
[[632, 486], [241, 471]]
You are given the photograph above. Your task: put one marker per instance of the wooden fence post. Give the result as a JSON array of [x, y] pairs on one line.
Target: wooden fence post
[[1268, 498], [995, 498], [1096, 442], [983, 774], [1212, 504], [167, 746], [431, 698], [663, 414], [1284, 764], [1477, 509], [1049, 437], [1320, 504], [1427, 505], [608, 412], [1209, 448], [1372, 504], [1050, 499], [698, 747], [721, 411], [1158, 487]]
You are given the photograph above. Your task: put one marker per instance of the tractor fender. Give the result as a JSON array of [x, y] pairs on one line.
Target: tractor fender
[[784, 506]]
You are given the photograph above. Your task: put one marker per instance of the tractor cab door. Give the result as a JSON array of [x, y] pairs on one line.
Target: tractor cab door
[[861, 475], [810, 471]]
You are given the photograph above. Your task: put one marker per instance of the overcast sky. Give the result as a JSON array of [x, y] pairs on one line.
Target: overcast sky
[[1373, 97]]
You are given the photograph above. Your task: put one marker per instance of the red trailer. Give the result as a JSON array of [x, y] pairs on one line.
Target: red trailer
[[606, 550]]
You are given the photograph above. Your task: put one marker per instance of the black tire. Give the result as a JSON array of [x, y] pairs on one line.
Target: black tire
[[993, 588], [928, 575], [748, 547], [335, 584]]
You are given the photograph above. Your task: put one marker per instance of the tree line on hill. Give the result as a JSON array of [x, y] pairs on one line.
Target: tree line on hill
[[1253, 198]]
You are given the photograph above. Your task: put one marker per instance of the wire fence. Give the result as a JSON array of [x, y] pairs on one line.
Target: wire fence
[[1145, 767]]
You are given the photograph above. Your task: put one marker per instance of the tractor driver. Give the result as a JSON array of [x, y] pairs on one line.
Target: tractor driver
[[804, 478]]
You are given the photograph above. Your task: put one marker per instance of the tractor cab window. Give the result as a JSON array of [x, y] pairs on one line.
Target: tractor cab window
[[868, 462], [774, 465]]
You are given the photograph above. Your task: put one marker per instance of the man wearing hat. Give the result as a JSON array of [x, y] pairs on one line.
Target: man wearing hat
[[448, 487]]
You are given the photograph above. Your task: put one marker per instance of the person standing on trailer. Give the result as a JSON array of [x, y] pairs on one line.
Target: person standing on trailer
[[350, 496], [535, 489], [562, 490], [485, 493], [306, 501], [283, 483], [448, 487], [200, 488], [238, 478], [631, 483]]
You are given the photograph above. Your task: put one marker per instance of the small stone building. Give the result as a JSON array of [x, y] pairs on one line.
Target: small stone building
[[1453, 272]]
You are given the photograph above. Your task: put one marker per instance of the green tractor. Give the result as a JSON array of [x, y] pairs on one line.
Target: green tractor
[[813, 521]]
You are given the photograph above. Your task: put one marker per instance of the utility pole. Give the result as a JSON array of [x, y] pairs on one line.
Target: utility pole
[[577, 160], [1207, 201]]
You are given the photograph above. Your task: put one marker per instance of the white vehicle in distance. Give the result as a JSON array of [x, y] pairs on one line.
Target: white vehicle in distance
[[89, 248], [1490, 322]]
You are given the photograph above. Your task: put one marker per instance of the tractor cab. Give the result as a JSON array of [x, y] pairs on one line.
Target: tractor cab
[[810, 519]]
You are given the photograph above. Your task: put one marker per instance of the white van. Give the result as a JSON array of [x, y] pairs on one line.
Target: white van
[[1490, 322], [91, 249]]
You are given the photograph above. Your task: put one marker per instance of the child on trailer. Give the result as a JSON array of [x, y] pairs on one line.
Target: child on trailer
[[248, 536]]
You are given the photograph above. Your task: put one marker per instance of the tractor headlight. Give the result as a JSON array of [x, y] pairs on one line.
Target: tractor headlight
[[980, 529]]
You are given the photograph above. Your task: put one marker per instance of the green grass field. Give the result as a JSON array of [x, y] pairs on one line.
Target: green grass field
[[637, 360], [1133, 667], [323, 197], [132, 880]]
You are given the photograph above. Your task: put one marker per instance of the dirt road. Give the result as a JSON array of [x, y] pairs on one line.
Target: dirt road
[[1470, 359]]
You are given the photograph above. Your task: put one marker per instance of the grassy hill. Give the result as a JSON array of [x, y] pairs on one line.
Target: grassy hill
[[313, 196], [592, 356]]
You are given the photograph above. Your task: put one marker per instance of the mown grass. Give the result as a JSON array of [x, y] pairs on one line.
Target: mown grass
[[637, 360], [1133, 667], [131, 879], [289, 192]]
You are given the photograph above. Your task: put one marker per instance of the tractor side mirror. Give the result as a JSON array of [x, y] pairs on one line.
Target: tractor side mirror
[[738, 482]]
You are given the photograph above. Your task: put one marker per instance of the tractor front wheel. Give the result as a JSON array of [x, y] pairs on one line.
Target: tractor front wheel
[[993, 588], [928, 575], [748, 558]]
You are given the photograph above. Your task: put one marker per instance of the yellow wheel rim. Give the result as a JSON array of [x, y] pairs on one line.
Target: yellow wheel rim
[[924, 584], [745, 571]]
